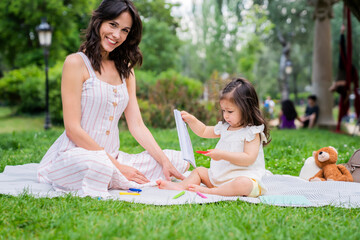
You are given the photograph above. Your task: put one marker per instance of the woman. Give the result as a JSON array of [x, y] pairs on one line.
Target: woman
[[98, 85]]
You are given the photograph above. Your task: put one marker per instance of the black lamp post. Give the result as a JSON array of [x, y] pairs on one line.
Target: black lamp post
[[289, 71], [44, 31]]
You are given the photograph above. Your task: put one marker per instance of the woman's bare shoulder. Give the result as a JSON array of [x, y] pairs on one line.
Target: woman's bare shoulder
[[74, 60], [75, 67]]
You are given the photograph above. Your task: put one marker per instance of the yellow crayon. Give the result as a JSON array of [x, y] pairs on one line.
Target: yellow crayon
[[129, 193]]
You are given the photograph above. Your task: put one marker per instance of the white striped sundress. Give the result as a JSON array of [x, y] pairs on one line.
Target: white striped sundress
[[71, 168]]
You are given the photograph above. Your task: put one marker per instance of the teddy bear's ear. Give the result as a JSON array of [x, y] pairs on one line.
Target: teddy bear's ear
[[333, 149], [314, 153]]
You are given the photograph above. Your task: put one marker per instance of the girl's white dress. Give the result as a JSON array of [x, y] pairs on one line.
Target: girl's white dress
[[222, 171], [71, 168]]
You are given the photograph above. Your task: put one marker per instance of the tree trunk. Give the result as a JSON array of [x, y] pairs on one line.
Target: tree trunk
[[322, 72], [283, 79]]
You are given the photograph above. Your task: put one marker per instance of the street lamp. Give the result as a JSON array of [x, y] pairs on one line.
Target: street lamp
[[288, 71], [44, 31], [288, 67]]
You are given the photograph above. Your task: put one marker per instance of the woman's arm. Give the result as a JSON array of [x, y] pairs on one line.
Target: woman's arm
[[198, 127], [246, 158], [73, 75], [142, 134]]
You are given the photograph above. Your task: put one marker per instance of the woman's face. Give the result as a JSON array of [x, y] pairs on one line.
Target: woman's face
[[114, 32]]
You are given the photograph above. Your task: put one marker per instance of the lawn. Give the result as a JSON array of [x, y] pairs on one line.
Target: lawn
[[69, 217]]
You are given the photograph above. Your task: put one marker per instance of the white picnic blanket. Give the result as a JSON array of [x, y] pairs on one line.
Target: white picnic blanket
[[283, 190]]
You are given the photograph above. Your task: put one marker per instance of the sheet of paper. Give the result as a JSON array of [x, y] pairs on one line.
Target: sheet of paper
[[184, 139]]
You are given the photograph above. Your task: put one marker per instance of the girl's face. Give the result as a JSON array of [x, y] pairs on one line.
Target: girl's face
[[114, 32], [231, 112]]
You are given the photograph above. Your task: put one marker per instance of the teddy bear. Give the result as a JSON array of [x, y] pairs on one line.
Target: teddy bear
[[325, 159]]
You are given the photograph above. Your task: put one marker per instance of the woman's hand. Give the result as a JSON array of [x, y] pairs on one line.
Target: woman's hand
[[215, 154], [133, 174], [170, 171]]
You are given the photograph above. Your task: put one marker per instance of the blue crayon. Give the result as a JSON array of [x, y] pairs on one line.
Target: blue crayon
[[135, 189]]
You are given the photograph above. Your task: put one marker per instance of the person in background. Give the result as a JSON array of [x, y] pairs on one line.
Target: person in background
[[288, 115], [269, 105], [311, 113]]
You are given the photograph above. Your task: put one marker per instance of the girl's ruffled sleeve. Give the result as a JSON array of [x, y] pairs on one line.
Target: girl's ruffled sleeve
[[218, 127], [253, 130]]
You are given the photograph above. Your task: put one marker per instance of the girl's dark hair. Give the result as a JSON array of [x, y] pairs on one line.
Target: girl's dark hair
[[288, 109], [241, 92], [128, 54]]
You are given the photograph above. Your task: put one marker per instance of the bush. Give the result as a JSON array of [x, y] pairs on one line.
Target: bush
[[17, 83], [144, 80], [158, 95], [171, 91], [25, 89]]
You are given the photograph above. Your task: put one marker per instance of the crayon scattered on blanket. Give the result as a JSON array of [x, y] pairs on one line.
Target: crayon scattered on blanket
[[135, 190], [202, 152], [201, 195], [128, 193], [179, 195]]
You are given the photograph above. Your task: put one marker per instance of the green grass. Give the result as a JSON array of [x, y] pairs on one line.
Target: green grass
[[68, 217], [10, 122]]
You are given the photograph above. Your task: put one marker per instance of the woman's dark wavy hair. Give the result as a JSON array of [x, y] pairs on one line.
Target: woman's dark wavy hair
[[242, 93], [128, 54], [288, 109]]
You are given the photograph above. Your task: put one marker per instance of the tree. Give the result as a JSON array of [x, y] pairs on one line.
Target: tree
[[221, 31], [18, 39], [291, 41], [19, 44], [159, 43]]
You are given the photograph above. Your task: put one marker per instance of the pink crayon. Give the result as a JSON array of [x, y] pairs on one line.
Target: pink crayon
[[201, 195]]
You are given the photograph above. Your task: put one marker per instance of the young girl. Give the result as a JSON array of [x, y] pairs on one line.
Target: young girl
[[237, 162]]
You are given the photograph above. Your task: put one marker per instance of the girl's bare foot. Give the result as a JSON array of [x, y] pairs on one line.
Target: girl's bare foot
[[197, 188], [162, 184]]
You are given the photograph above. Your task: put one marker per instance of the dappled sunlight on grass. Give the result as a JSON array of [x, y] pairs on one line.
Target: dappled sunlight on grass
[[10, 123]]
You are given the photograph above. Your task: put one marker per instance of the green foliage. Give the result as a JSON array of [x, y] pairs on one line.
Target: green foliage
[[293, 20], [15, 82], [158, 10], [159, 43], [25, 89], [159, 46], [249, 58], [227, 38], [144, 80], [160, 95], [18, 39]]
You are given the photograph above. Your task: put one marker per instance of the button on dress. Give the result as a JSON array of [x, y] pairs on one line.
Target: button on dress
[[71, 168]]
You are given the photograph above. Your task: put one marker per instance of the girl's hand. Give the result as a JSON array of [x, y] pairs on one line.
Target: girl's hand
[[187, 117], [133, 174], [215, 154], [170, 171]]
